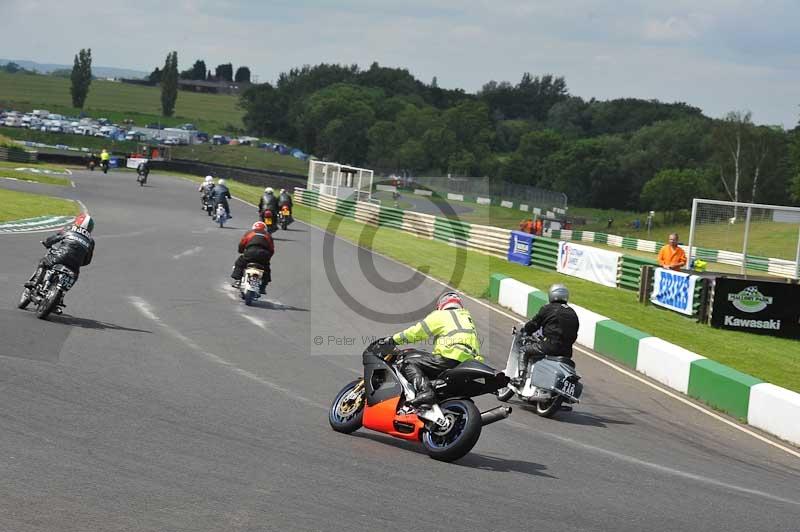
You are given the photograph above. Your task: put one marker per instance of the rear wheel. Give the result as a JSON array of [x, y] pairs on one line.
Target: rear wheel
[[347, 409], [550, 407], [24, 298], [461, 435], [248, 297], [49, 302]]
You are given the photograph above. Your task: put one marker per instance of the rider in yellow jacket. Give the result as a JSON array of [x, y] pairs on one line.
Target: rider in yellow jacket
[[455, 341], [104, 155]]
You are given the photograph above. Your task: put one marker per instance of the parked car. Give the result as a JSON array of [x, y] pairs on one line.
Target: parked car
[[154, 126], [188, 127]]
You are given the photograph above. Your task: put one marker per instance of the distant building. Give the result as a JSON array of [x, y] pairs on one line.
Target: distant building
[[214, 87]]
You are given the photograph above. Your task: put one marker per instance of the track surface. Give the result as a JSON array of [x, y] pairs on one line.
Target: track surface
[[160, 402]]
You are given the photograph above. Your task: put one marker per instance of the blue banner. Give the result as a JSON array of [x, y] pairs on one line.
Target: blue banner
[[674, 290], [520, 247]]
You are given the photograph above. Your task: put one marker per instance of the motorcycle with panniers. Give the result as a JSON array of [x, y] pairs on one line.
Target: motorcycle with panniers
[[550, 381], [448, 429]]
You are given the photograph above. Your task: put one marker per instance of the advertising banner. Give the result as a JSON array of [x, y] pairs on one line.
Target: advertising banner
[[674, 290], [520, 247], [586, 262], [761, 307], [134, 162]]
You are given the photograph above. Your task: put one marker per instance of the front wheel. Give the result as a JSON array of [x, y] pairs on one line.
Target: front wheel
[[550, 407], [459, 437], [347, 409], [24, 298], [48, 302]]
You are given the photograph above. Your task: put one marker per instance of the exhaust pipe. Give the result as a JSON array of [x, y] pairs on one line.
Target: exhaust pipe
[[495, 414]]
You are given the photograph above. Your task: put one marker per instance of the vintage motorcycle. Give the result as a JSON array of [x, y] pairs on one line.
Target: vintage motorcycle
[[250, 285], [550, 381], [48, 295]]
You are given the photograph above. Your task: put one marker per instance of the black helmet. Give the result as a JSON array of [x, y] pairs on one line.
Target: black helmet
[[558, 293]]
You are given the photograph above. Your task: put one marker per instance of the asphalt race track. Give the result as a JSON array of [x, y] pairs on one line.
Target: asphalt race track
[[158, 401]]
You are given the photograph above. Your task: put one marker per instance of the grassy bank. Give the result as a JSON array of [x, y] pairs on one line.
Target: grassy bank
[[75, 141], [119, 101], [8, 170], [20, 205], [772, 359], [243, 156]]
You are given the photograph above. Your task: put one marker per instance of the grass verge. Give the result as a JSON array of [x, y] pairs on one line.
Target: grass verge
[[10, 170], [242, 156], [20, 205]]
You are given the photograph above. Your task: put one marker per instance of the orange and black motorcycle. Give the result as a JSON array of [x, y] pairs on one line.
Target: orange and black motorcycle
[[448, 429]]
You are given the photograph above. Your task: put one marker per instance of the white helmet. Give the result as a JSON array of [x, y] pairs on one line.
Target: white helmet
[[269, 190], [209, 179], [221, 181]]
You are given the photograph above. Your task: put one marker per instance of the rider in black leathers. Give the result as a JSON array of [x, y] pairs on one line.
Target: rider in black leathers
[[221, 194], [268, 203], [73, 247], [559, 324]]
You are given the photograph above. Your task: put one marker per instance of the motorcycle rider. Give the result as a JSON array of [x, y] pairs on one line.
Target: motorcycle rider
[[206, 187], [455, 341], [255, 246], [221, 194], [73, 247], [268, 202], [143, 169], [559, 324], [284, 198], [104, 158]]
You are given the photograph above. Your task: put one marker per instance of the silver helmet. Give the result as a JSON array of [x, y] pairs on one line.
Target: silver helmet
[[558, 293]]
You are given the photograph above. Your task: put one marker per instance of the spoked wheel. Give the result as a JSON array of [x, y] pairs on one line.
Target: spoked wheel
[[348, 408], [48, 303], [461, 434], [248, 297], [24, 298], [550, 407]]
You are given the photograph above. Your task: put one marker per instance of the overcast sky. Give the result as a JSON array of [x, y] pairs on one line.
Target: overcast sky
[[718, 55]]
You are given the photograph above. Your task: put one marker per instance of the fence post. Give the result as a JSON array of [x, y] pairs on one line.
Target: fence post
[[797, 258], [746, 237], [645, 283], [691, 232], [705, 300]]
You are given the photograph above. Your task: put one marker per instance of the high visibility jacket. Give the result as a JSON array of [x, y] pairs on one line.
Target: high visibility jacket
[[453, 331], [104, 156], [674, 259]]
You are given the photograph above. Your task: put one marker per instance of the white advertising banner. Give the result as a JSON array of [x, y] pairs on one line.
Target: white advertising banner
[[586, 262], [134, 162], [674, 290]]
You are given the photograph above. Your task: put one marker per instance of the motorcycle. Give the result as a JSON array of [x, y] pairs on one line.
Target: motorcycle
[[141, 175], [551, 381], [448, 429], [221, 216], [269, 221], [91, 164], [104, 165], [48, 294], [285, 217], [208, 205], [250, 286]]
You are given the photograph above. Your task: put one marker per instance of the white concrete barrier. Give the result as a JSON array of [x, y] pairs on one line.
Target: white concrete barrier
[[523, 207], [588, 322], [514, 295], [775, 410], [386, 188], [665, 362], [507, 204], [455, 197], [484, 201], [420, 192]]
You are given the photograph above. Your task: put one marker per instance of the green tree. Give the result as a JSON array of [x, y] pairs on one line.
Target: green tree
[[155, 75], [411, 156], [440, 144], [169, 84], [242, 75], [384, 138], [224, 72], [197, 72], [673, 190], [81, 77]]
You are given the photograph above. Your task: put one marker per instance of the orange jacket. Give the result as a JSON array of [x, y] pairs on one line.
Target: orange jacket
[[674, 259]]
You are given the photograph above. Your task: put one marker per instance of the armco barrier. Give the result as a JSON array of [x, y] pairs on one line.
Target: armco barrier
[[489, 240], [763, 405]]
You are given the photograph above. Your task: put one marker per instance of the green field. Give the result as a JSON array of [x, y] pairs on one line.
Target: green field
[[20, 205], [775, 360], [116, 101], [243, 156]]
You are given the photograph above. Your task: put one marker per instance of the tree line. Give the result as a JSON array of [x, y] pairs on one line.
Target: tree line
[[622, 153], [199, 72]]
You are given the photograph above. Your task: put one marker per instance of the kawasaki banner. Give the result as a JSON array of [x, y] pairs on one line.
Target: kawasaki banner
[[586, 262], [674, 290], [762, 307]]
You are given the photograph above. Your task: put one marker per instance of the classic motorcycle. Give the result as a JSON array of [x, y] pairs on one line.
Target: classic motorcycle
[[221, 216], [48, 294], [285, 217], [448, 429], [551, 381], [250, 285], [141, 174], [269, 220]]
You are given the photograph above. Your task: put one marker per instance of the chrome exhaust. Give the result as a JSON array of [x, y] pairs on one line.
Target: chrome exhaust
[[495, 414]]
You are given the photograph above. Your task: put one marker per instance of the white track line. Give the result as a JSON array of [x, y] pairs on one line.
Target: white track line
[[193, 251], [683, 400], [147, 310]]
